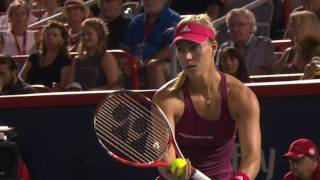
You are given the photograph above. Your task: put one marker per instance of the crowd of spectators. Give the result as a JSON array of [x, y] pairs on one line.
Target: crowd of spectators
[[71, 54], [147, 36]]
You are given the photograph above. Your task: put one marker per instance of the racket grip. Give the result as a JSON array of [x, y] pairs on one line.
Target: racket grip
[[198, 175]]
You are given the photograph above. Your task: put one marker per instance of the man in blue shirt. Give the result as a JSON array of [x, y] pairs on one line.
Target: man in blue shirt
[[148, 38]]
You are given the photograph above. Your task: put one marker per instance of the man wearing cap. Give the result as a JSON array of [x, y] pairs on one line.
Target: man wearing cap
[[303, 160], [75, 12]]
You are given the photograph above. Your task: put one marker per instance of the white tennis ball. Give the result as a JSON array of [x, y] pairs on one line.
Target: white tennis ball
[[178, 166]]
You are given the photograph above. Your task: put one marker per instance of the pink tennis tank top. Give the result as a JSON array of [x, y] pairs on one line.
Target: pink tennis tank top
[[207, 144]]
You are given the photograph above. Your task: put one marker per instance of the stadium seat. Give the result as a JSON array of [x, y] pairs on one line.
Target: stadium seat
[[129, 69]]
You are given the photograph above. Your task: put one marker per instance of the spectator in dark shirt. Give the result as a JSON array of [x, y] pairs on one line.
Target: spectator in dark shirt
[[10, 84], [110, 13], [51, 64]]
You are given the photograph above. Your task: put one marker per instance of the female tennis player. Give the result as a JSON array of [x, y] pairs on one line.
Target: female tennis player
[[208, 108]]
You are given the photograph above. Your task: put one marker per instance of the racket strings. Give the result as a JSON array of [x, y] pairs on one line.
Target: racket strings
[[158, 123], [144, 115], [124, 148], [135, 135], [101, 132], [147, 112]]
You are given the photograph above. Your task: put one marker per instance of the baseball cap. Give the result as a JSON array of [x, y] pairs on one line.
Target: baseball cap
[[76, 3], [300, 148], [194, 32]]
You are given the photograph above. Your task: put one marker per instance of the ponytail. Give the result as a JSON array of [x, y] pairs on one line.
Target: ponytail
[[181, 78]]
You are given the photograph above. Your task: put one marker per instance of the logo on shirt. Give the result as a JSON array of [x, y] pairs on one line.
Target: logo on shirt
[[185, 29], [188, 136]]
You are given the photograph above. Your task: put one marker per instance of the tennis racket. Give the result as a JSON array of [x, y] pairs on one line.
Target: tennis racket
[[135, 131]]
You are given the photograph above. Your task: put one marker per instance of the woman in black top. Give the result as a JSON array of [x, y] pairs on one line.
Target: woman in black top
[[51, 64]]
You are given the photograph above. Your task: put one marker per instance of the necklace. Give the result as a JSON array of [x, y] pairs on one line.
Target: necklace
[[208, 101]]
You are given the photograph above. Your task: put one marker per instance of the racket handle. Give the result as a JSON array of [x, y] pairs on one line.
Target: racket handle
[[198, 175]]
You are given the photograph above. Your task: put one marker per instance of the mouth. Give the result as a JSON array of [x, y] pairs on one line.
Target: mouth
[[190, 66]]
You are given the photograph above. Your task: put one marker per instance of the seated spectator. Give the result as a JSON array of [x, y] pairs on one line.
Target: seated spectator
[[305, 29], [232, 63], [309, 51], [148, 38], [211, 7], [10, 83], [94, 68], [257, 51], [17, 5], [52, 7], [75, 12], [303, 160], [310, 5], [111, 14], [51, 64], [18, 40]]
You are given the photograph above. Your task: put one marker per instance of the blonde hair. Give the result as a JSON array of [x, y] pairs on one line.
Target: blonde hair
[[202, 19], [14, 5], [102, 33], [306, 25], [242, 12]]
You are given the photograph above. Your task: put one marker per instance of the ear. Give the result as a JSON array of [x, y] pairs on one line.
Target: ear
[[214, 48]]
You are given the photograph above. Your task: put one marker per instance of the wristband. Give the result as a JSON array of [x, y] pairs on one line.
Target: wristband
[[240, 176]]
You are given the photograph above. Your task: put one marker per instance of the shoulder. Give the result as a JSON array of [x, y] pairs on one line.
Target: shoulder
[[108, 55], [240, 96], [168, 16], [226, 44], [173, 13], [137, 19], [108, 59], [165, 95]]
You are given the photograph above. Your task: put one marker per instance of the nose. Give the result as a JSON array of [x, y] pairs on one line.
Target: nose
[[187, 55]]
